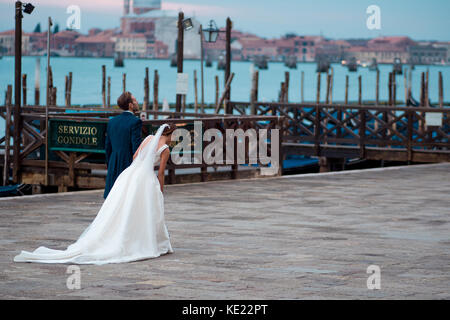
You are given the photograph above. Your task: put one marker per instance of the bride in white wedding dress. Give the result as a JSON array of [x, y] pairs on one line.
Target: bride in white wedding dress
[[130, 225]]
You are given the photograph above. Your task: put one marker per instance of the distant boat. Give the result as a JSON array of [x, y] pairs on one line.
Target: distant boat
[[291, 62], [208, 62], [52, 54], [118, 60], [261, 62], [173, 60], [352, 65], [373, 65], [221, 63], [323, 65], [398, 66]]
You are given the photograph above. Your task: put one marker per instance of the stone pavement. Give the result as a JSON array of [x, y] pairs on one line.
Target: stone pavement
[[294, 237]]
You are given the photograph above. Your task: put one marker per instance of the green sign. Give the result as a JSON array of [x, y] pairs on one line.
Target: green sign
[[77, 136]]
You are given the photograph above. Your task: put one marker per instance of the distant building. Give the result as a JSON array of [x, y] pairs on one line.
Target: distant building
[[214, 50], [383, 49], [38, 43], [445, 45], [302, 47], [146, 17], [143, 6], [97, 44], [400, 42], [427, 54], [166, 31], [258, 47], [157, 50], [380, 53], [64, 42], [7, 40], [332, 50], [131, 45]]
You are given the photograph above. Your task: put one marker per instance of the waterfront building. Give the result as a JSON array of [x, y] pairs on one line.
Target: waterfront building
[[146, 17], [96, 44], [427, 54], [7, 42]]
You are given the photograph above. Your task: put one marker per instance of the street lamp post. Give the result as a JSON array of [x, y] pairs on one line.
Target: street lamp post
[[201, 67], [211, 35], [27, 8], [228, 65], [17, 87], [183, 24], [180, 55]]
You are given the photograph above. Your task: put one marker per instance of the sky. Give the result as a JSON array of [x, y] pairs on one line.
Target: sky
[[418, 19]]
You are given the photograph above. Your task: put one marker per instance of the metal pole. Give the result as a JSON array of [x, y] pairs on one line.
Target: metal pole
[[202, 57], [48, 60], [48, 100], [228, 64], [17, 88], [180, 54]]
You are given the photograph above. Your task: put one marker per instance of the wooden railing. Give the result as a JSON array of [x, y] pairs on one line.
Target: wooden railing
[[74, 169], [392, 133]]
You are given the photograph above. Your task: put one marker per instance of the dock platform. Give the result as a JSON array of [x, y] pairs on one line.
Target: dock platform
[[307, 236]]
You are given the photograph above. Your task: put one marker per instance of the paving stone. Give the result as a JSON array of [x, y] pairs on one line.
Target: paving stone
[[292, 237]]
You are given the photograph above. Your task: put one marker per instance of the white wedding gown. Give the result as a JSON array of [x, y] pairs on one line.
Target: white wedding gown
[[130, 225]]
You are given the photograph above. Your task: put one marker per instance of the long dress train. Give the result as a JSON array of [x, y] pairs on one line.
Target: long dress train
[[130, 225]]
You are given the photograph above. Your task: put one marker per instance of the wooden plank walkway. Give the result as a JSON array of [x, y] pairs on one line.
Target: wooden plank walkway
[[292, 237]]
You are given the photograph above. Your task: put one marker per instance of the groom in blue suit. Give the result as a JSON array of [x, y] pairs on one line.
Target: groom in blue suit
[[123, 137]]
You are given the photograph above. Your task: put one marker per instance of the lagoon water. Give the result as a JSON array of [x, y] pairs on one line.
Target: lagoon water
[[87, 72]]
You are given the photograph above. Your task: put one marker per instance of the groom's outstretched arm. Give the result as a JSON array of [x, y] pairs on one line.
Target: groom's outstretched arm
[[136, 136]]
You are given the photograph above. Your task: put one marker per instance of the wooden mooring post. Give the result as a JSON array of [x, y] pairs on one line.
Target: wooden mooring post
[[427, 92], [441, 90], [217, 90], [394, 88], [37, 81], [124, 82], [24, 89], [327, 96], [104, 86], [195, 92], [302, 87], [405, 84], [360, 90], [346, 89], [49, 86], [69, 90], [108, 103], [6, 164], [318, 88], [422, 103], [224, 95], [377, 88], [331, 85], [286, 86], [145, 105], [155, 92], [254, 93]]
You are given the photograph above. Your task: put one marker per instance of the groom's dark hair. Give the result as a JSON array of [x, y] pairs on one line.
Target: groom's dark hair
[[124, 100]]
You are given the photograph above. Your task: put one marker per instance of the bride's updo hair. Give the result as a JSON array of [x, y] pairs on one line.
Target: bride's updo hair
[[169, 129]]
